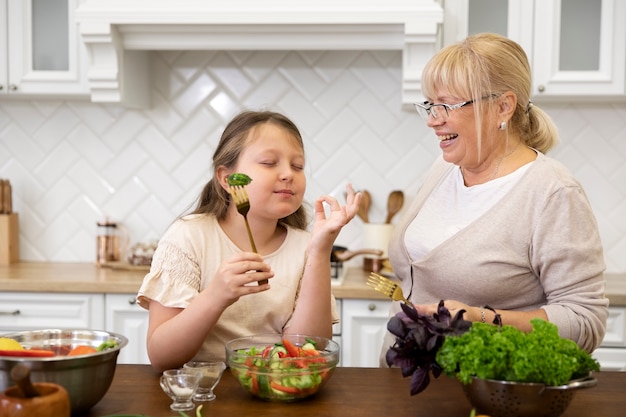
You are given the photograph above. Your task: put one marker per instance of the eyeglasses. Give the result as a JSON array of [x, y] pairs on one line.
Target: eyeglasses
[[441, 111]]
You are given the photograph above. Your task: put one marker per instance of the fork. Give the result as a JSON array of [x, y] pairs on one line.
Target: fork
[[240, 197], [387, 287]]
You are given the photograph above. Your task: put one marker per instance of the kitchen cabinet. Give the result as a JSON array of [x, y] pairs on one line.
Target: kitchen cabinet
[[125, 316], [41, 53], [612, 353], [577, 48], [337, 332], [21, 311], [363, 327]]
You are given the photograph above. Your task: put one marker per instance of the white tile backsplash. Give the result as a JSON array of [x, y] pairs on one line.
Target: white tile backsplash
[[73, 162]]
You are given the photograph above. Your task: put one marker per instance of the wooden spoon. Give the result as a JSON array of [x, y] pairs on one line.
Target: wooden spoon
[[364, 206], [394, 204]]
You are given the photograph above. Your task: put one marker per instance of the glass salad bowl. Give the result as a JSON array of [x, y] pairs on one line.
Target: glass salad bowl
[[286, 368]]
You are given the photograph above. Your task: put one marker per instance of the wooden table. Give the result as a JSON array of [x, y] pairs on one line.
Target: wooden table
[[351, 392]]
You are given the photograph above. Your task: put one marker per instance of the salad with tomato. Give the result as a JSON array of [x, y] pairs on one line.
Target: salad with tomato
[[283, 371]]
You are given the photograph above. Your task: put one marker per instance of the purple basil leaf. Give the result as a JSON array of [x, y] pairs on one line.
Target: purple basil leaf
[[419, 381], [390, 357], [420, 335], [443, 314], [432, 343], [410, 311], [396, 326]]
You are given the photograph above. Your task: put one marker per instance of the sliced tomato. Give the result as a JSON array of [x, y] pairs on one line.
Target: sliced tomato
[[28, 353], [278, 387], [293, 350], [267, 351], [310, 352], [315, 359], [298, 362]]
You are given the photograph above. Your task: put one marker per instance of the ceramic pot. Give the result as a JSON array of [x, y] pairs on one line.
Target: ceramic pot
[[53, 401]]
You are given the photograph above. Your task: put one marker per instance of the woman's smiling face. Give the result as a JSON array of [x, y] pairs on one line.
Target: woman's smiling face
[[458, 131]]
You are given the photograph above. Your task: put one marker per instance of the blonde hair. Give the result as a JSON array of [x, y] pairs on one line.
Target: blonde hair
[[214, 199], [488, 64]]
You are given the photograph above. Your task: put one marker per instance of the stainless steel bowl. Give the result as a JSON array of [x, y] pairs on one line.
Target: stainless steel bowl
[[86, 378], [506, 398]]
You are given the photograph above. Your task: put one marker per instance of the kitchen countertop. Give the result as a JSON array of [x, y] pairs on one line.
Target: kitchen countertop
[[350, 392], [90, 278]]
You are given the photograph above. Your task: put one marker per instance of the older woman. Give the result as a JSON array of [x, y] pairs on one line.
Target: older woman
[[496, 222]]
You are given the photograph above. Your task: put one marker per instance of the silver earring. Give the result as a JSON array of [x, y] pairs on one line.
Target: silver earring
[[503, 126]]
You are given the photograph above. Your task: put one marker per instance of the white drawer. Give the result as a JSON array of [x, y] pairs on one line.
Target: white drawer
[[615, 328], [32, 311], [611, 359]]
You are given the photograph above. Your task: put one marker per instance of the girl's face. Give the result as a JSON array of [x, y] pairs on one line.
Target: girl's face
[[457, 132], [274, 160]]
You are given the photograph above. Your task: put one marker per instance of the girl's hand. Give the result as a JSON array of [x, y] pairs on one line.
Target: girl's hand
[[326, 229], [239, 276]]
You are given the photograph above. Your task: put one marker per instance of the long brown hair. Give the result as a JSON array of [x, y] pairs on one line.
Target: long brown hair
[[214, 199], [486, 64]]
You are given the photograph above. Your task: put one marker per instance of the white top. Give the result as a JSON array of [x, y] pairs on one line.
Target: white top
[[453, 206]]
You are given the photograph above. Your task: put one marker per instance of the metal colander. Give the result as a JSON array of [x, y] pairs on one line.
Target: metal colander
[[517, 399]]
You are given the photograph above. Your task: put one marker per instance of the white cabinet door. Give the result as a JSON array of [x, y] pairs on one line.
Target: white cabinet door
[[579, 48], [615, 328], [612, 352], [21, 311], [42, 54], [124, 316], [576, 48], [611, 359], [511, 18], [364, 324]]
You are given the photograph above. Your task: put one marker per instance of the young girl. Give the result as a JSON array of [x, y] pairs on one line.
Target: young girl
[[203, 286]]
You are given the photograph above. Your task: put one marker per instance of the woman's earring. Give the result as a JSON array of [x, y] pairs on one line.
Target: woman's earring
[[503, 126]]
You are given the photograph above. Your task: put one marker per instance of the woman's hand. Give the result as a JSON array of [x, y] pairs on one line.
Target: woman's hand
[[239, 276], [453, 306], [519, 319], [326, 229]]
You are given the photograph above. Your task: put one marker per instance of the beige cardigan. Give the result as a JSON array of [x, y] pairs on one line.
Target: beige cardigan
[[539, 247]]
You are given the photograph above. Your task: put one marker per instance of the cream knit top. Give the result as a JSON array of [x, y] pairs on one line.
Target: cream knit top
[[536, 247], [187, 258]]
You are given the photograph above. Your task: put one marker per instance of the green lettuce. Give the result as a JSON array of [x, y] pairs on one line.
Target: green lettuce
[[506, 353]]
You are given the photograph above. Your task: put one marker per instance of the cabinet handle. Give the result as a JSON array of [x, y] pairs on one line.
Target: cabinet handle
[[1, 87], [132, 301], [371, 307], [13, 87], [541, 88], [10, 313]]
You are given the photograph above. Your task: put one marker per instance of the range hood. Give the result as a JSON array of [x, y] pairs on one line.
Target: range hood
[[119, 33]]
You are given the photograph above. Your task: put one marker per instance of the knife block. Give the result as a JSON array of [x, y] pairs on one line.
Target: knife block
[[9, 239]]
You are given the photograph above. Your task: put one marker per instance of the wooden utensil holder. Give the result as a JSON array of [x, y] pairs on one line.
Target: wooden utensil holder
[[9, 239]]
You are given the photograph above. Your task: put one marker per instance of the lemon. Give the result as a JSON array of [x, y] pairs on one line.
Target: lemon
[[10, 344]]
